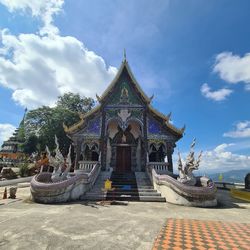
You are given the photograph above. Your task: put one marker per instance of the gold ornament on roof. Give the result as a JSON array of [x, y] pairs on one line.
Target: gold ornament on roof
[[124, 92], [98, 98]]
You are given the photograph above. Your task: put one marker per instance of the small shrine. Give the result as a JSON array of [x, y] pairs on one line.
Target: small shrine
[[124, 132]]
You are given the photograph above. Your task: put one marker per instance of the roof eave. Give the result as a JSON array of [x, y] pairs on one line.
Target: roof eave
[[75, 127]]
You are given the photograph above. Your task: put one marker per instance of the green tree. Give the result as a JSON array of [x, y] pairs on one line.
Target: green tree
[[75, 103], [46, 122], [30, 145]]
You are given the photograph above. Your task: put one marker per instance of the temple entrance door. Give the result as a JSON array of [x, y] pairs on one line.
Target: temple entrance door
[[123, 159]]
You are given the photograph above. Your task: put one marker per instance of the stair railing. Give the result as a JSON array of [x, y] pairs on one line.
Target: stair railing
[[159, 167], [86, 166]]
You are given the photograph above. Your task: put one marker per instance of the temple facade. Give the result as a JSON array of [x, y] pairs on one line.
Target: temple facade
[[124, 132]]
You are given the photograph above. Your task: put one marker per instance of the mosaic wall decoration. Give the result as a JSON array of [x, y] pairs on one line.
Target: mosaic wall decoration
[[154, 126], [119, 96], [124, 92], [134, 113], [137, 113], [94, 126], [111, 113]]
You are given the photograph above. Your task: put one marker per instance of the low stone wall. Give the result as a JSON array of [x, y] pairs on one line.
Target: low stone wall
[[45, 191], [178, 193], [242, 194]]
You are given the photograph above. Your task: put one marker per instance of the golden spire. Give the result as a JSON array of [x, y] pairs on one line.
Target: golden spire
[[183, 129], [124, 55]]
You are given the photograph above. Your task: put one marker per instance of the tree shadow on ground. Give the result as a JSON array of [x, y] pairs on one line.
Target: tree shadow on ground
[[104, 203], [226, 201], [93, 204]]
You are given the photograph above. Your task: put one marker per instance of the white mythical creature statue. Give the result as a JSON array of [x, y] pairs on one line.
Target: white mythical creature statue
[[186, 172], [58, 163], [68, 164]]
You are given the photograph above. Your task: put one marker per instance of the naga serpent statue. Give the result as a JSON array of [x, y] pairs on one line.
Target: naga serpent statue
[[58, 162], [186, 175], [62, 186], [185, 189]]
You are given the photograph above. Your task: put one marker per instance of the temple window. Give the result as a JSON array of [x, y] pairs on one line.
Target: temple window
[[91, 153], [81, 157], [157, 154]]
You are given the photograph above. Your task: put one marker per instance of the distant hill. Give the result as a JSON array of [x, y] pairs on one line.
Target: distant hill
[[231, 176]]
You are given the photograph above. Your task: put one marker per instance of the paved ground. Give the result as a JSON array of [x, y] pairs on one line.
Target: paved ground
[[81, 225], [202, 234]]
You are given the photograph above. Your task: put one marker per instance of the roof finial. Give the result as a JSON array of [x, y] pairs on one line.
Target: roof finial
[[25, 112], [124, 55]]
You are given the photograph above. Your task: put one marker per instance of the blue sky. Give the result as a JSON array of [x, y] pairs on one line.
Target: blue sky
[[192, 55]]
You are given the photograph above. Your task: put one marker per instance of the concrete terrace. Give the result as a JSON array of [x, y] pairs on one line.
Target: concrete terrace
[[88, 225]]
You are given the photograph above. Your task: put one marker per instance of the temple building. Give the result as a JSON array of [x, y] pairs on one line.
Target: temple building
[[124, 132], [10, 149]]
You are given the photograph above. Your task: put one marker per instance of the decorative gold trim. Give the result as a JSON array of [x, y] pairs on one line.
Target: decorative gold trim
[[151, 98], [183, 128], [98, 98], [66, 128], [157, 113], [92, 111], [177, 130], [156, 141], [79, 124], [74, 127], [81, 115]]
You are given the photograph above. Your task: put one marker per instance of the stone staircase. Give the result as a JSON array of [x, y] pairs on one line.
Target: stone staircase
[[146, 189], [127, 187], [96, 192]]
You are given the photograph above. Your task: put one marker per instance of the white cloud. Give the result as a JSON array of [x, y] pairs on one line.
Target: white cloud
[[44, 9], [233, 68], [221, 158], [218, 95], [242, 130], [247, 87], [6, 130], [40, 68]]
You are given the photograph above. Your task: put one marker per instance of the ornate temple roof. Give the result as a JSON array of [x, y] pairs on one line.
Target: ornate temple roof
[[109, 91], [111, 86]]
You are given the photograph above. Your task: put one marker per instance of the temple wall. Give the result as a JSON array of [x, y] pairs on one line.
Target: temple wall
[[108, 156], [135, 129], [112, 129]]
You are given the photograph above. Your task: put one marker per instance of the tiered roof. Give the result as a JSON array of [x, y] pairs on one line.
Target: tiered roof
[[147, 100], [12, 145]]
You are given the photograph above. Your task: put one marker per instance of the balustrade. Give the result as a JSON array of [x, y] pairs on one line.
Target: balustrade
[[159, 167], [86, 166]]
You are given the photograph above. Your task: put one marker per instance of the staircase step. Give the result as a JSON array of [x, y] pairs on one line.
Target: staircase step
[[139, 190], [149, 194], [125, 198], [153, 198], [136, 193], [132, 186]]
